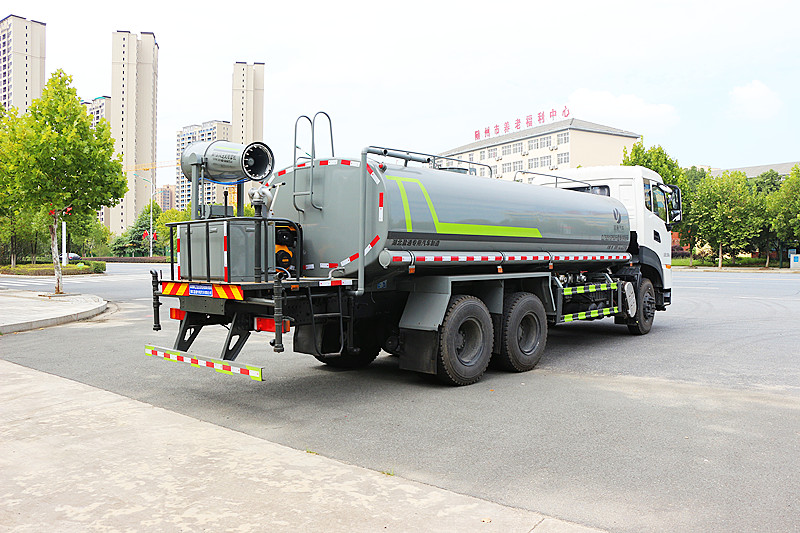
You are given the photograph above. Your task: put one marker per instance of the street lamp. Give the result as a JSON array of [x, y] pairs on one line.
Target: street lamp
[[152, 193]]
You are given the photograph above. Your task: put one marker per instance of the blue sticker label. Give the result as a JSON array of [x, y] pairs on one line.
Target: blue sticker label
[[200, 290]]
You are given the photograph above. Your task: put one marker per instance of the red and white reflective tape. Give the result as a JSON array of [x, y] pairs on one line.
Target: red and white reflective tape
[[372, 243], [590, 257], [373, 176], [380, 207], [452, 258], [226, 367], [322, 163], [225, 251], [335, 282], [518, 258], [349, 260], [328, 265], [309, 266], [178, 255]]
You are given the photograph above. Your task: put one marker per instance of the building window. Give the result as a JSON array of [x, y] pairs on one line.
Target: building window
[[533, 162], [563, 157], [516, 148], [482, 172], [544, 142], [483, 155], [472, 157], [545, 161], [494, 170], [506, 167], [562, 138], [517, 165], [492, 153], [533, 144], [507, 149]]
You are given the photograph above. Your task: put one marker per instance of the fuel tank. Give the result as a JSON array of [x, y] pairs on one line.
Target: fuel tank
[[419, 209]]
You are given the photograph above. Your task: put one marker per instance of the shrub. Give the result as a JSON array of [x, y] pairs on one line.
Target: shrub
[[98, 267]]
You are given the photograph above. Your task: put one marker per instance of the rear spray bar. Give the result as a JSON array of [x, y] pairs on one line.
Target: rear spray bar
[[224, 367]]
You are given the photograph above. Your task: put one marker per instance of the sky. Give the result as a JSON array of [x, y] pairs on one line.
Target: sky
[[713, 82]]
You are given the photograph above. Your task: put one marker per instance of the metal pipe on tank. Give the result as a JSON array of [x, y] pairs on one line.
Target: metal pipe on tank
[[362, 222]]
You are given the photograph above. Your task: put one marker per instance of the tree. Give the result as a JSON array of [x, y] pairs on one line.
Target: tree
[[62, 164], [688, 229], [783, 207], [763, 186], [171, 215], [726, 212], [656, 159], [135, 240]]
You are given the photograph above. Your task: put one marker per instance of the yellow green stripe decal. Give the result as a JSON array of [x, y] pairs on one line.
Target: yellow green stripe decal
[[596, 313], [568, 291], [456, 228]]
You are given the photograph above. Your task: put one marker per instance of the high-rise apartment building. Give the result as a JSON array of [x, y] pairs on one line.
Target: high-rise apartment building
[[247, 108], [212, 130], [165, 197], [22, 54], [134, 89], [98, 109]]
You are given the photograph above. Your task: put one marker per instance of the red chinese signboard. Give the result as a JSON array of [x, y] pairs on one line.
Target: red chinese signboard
[[540, 117]]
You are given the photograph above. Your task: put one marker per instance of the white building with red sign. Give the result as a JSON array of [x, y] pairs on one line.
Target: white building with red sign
[[514, 150]]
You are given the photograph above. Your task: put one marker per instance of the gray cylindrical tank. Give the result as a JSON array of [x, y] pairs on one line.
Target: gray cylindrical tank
[[423, 209]]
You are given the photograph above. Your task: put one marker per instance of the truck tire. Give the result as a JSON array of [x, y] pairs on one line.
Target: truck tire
[[645, 308], [465, 341], [524, 332]]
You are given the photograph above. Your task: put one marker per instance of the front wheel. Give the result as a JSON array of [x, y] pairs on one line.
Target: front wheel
[[465, 341], [642, 322]]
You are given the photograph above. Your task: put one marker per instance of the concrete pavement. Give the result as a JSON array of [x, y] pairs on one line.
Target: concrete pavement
[[25, 310], [75, 458]]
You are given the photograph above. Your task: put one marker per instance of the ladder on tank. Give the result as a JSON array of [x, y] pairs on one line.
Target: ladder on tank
[[312, 157]]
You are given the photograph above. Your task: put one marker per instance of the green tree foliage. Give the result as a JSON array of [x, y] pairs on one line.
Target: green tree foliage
[[135, 240], [688, 229], [726, 213], [764, 185], [171, 215], [656, 159], [61, 164], [783, 207]]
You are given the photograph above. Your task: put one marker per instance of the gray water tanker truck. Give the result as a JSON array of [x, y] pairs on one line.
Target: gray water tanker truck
[[447, 271]]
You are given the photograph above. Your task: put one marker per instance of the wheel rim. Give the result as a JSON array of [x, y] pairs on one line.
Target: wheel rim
[[468, 342], [528, 333], [649, 306]]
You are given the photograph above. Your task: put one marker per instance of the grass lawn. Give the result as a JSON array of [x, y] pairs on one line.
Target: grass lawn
[[46, 269]]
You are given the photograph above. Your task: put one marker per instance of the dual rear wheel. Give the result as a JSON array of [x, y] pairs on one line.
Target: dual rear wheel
[[466, 337]]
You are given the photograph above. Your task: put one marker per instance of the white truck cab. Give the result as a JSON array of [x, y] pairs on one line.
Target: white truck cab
[[653, 207]]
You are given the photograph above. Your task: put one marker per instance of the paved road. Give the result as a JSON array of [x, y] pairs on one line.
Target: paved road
[[693, 427]]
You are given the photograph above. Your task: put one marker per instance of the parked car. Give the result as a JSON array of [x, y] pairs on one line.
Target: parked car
[[71, 256]]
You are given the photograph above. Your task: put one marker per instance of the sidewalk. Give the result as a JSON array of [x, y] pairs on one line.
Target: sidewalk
[[25, 310], [77, 458]]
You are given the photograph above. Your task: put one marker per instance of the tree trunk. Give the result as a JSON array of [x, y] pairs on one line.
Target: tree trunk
[[719, 264], [13, 251], [766, 265], [54, 249]]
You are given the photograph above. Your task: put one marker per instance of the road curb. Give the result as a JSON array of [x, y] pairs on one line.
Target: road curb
[[93, 306]]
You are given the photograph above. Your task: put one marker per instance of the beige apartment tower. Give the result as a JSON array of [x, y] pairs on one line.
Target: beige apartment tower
[[212, 130], [134, 90], [247, 110], [22, 54]]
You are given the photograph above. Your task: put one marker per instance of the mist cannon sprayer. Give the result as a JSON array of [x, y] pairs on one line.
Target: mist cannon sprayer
[[226, 163]]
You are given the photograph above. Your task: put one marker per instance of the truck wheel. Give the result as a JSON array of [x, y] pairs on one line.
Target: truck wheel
[[524, 333], [645, 308], [465, 341]]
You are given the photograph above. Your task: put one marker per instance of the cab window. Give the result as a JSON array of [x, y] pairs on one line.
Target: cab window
[[660, 203], [647, 201]]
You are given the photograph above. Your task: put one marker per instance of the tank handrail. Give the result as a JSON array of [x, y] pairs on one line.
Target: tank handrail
[[407, 156], [294, 160], [551, 176]]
